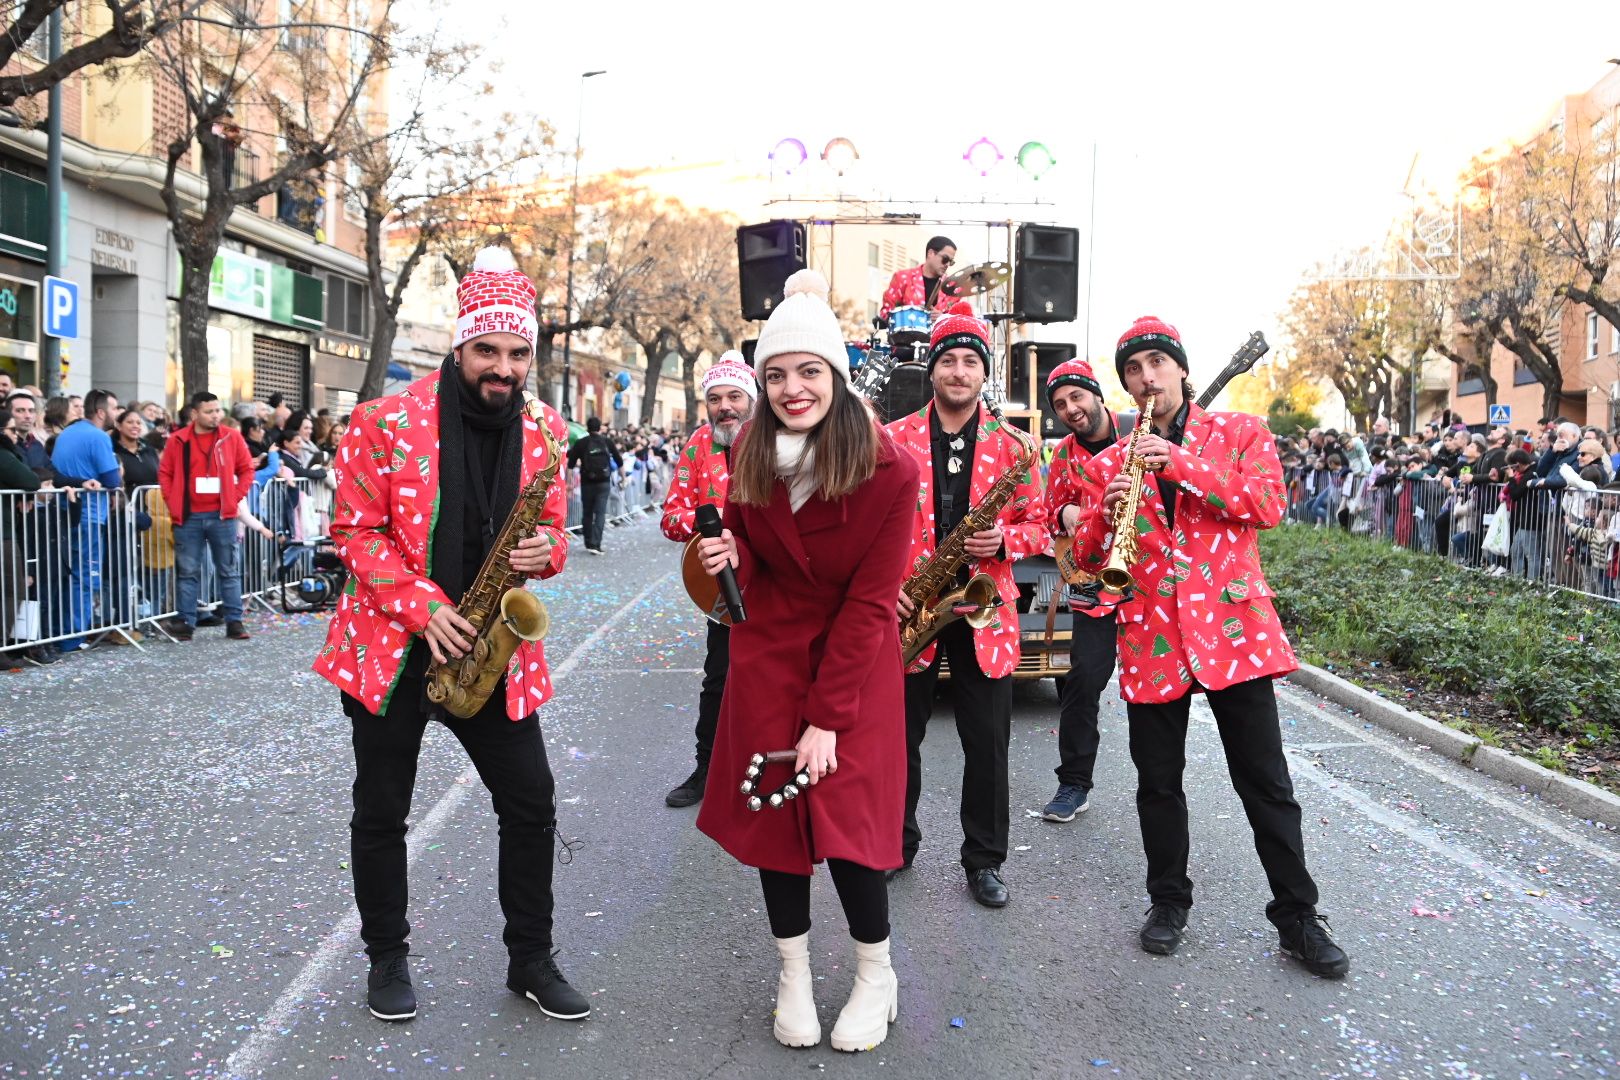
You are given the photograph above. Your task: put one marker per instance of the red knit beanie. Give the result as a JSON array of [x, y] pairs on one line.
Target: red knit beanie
[[1076, 372], [1149, 332], [959, 328]]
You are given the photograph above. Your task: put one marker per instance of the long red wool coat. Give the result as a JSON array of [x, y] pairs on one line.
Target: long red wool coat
[[821, 646], [1202, 607], [384, 513]]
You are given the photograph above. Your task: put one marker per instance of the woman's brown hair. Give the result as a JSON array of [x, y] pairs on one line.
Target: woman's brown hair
[[845, 444]]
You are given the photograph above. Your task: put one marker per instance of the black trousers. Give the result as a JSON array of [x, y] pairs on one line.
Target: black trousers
[[863, 892], [1246, 716], [1092, 651], [715, 664], [984, 724], [594, 498], [511, 760]]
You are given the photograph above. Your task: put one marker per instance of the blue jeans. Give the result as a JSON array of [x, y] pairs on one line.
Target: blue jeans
[[84, 575], [220, 537]]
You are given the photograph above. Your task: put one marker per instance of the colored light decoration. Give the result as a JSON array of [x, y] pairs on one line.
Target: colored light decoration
[[1035, 159], [788, 155], [983, 155], [840, 154]]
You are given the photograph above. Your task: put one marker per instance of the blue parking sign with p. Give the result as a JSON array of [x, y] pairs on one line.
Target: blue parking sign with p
[[1501, 415], [61, 308]]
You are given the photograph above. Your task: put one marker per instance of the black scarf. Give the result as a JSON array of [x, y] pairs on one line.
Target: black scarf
[[459, 406]]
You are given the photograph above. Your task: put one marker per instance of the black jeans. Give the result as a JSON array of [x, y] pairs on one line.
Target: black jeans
[[715, 665], [1246, 716], [984, 724], [594, 496], [862, 891], [511, 760], [1092, 651]]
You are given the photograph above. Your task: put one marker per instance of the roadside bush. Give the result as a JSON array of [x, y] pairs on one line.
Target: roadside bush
[[1551, 657]]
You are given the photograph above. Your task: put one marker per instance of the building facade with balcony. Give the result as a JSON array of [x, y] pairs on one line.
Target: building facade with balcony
[[287, 298]]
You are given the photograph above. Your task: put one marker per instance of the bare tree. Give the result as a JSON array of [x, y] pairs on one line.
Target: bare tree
[[123, 28], [418, 179], [301, 83], [1578, 190]]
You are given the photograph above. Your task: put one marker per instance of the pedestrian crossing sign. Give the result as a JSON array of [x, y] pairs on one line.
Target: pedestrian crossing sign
[[1501, 415]]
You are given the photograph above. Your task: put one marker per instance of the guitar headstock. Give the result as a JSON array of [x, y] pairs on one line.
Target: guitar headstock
[[1251, 352]]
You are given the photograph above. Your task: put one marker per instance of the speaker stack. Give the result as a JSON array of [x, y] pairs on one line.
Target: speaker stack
[[767, 255], [1032, 364], [1046, 274]]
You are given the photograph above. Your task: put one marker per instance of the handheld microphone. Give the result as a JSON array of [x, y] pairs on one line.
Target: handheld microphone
[[708, 523]]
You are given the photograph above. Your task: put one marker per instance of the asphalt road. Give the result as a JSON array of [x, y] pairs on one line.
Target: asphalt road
[[175, 900]]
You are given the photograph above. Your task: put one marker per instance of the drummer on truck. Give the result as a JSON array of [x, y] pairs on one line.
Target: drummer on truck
[[919, 286]]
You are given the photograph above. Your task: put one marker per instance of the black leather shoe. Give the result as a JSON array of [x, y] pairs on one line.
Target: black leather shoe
[[1163, 930], [1307, 941], [541, 982], [236, 631], [690, 789], [987, 887], [389, 995], [890, 875]]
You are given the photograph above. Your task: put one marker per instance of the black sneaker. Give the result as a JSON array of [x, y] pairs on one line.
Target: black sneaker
[[690, 789], [541, 982], [388, 989], [1307, 941], [236, 631], [1162, 932], [183, 632]]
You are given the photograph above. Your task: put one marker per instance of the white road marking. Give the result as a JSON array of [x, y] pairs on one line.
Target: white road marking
[[252, 1056], [1453, 773]]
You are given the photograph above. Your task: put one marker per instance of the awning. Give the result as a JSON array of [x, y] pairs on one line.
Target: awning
[[397, 370]]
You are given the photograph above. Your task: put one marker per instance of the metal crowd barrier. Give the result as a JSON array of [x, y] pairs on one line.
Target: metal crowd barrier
[[1558, 536], [78, 566]]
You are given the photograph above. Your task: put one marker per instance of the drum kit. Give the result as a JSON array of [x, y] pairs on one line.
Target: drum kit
[[904, 340]]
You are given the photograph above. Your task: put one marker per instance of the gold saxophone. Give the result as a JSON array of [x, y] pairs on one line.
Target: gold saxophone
[[497, 604], [976, 601], [1115, 577]]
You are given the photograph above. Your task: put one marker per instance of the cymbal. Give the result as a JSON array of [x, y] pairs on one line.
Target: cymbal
[[978, 278]]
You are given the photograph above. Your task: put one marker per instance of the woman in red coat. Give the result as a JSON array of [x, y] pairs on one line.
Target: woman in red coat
[[818, 531]]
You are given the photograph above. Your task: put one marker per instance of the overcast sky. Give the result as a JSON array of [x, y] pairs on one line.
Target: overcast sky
[[1237, 143]]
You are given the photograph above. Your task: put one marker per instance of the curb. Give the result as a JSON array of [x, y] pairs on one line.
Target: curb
[[1586, 801]]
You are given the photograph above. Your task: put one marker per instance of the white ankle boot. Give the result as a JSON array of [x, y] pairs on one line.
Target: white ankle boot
[[874, 1002], [796, 1020]]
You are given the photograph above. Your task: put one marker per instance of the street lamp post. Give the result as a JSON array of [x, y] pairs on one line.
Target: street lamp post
[[573, 242]]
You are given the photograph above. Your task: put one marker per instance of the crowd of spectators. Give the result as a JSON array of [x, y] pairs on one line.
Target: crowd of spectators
[[89, 540], [1542, 504]]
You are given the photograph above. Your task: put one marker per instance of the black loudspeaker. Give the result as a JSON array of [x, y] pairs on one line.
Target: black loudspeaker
[[906, 391], [748, 348], [767, 255], [1046, 275], [1029, 386]]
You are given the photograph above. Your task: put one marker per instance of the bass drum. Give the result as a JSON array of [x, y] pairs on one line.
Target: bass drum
[[906, 391]]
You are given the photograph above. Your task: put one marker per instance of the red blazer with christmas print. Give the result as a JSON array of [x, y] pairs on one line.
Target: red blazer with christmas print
[[1202, 608], [1022, 521], [383, 516], [702, 478], [906, 289], [1063, 489]]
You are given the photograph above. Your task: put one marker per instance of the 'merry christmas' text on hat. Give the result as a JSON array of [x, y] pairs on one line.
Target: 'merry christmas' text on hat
[[730, 370], [959, 329], [1149, 332], [495, 297], [1075, 372], [803, 323]]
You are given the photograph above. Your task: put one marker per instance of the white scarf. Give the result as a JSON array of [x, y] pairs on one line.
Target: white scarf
[[797, 465]]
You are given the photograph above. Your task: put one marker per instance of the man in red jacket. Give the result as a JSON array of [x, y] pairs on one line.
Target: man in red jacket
[[204, 472], [1076, 397]]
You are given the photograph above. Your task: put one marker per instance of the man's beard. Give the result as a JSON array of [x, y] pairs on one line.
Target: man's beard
[[1093, 425], [955, 395], [490, 390], [725, 431]]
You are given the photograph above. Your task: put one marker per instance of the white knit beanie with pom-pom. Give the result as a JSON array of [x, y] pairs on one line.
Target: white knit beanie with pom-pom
[[803, 323]]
